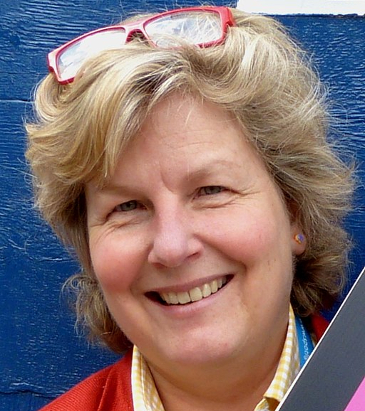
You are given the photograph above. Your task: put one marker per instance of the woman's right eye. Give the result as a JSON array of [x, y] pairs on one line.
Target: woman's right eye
[[127, 206]]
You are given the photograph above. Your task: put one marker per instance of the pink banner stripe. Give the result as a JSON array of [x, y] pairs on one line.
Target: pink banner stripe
[[357, 402]]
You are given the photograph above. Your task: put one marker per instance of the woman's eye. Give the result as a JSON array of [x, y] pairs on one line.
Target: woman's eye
[[210, 190], [127, 206]]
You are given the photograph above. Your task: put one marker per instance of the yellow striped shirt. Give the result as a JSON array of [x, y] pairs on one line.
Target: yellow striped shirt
[[145, 394]]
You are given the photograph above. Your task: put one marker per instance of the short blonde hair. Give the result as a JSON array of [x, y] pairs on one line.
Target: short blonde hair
[[260, 76]]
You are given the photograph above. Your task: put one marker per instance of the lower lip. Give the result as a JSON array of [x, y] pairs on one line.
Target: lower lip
[[183, 310]]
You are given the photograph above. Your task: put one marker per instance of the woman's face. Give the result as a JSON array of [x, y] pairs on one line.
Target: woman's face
[[191, 242]]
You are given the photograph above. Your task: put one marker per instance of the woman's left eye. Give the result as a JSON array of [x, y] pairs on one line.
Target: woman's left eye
[[127, 206], [210, 190]]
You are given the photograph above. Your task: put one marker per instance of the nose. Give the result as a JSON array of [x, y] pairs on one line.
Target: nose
[[174, 239]]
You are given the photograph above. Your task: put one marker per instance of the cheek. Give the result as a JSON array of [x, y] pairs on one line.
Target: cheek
[[248, 236], [116, 267], [261, 242]]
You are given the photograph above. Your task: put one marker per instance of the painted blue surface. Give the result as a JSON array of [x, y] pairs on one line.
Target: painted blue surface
[[337, 48], [40, 355]]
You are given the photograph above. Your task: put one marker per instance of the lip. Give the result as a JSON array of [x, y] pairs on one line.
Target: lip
[[155, 295], [193, 313], [188, 286]]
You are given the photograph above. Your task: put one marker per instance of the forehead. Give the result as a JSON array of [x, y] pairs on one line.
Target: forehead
[[188, 136], [181, 121]]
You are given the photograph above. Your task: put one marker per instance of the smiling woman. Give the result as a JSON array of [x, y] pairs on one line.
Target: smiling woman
[[191, 228], [205, 205]]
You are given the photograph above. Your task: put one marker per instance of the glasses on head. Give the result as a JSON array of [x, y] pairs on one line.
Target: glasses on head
[[201, 26]]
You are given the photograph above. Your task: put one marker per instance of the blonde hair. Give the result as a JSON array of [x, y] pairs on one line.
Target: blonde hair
[[262, 78]]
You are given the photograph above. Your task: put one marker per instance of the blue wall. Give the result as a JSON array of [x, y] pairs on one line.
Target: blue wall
[[40, 355]]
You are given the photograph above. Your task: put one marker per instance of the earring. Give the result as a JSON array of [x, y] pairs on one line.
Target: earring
[[299, 238]]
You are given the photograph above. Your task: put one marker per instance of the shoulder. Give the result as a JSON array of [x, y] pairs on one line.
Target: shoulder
[[318, 325], [106, 390]]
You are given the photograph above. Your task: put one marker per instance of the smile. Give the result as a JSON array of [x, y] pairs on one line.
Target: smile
[[195, 294]]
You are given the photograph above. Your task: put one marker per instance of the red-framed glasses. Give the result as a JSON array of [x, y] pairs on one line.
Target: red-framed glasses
[[201, 26]]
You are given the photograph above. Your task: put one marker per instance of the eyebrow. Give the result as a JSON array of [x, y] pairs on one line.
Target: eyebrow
[[212, 167], [203, 170]]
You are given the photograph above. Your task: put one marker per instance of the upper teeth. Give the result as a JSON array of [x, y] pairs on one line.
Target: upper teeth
[[195, 294]]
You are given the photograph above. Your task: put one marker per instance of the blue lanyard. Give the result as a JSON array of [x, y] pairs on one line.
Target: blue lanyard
[[304, 341]]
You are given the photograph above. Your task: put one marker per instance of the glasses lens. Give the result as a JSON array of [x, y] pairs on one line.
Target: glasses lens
[[195, 27], [72, 58]]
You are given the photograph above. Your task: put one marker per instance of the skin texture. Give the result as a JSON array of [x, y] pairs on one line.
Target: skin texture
[[191, 201]]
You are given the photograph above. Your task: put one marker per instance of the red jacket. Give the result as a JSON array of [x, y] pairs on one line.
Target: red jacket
[[110, 389]]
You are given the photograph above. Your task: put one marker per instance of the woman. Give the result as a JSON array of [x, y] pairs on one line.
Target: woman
[[184, 158]]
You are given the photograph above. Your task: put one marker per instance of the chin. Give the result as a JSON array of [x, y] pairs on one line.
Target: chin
[[200, 350]]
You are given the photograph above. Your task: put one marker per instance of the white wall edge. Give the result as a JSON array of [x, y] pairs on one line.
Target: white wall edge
[[292, 7]]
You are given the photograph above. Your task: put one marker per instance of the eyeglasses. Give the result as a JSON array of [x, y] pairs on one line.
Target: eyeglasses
[[201, 26]]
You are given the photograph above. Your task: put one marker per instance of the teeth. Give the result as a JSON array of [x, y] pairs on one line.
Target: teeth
[[183, 298], [195, 294], [173, 298], [206, 290]]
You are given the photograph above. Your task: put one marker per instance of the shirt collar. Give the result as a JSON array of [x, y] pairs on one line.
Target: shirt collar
[[287, 370]]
